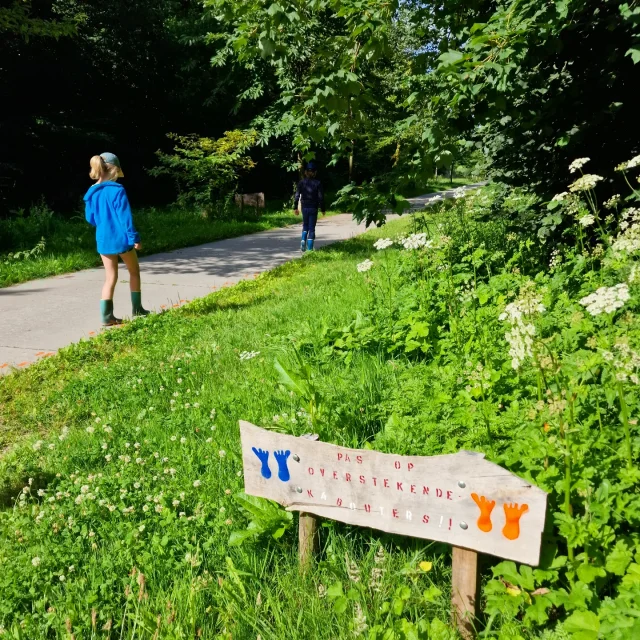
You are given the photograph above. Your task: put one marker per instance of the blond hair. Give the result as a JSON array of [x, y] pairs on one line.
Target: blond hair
[[102, 169]]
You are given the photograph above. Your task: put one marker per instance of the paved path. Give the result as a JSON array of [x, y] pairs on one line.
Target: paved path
[[39, 317]]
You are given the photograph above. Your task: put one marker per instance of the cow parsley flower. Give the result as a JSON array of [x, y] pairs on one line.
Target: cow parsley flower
[[606, 299], [364, 266], [612, 202], [560, 196], [578, 164], [630, 164], [585, 183], [587, 220], [520, 336], [383, 243], [460, 192], [416, 241]]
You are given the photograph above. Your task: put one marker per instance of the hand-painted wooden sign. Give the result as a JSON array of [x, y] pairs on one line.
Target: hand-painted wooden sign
[[460, 499]]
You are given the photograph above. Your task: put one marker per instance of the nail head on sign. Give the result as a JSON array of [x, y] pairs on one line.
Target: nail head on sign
[[462, 484], [464, 526], [296, 457], [299, 489]]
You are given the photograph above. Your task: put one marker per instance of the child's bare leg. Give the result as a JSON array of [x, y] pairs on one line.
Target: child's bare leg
[[110, 276], [131, 261]]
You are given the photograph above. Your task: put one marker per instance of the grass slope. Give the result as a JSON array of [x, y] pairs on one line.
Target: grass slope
[[137, 461]]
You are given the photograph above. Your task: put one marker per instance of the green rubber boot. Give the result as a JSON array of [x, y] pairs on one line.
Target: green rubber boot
[[136, 304], [106, 311]]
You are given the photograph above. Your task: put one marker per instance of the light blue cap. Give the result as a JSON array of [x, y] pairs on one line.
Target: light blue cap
[[112, 158]]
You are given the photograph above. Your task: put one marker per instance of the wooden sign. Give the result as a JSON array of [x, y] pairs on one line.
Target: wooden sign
[[460, 499]]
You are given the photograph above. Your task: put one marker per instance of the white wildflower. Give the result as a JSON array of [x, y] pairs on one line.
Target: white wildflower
[[520, 337], [416, 241], [90, 430], [578, 164], [364, 266], [36, 561], [383, 243], [587, 220], [248, 355], [183, 440], [560, 196], [630, 164], [460, 192], [37, 445], [612, 202], [634, 275], [585, 183], [222, 453], [606, 299], [196, 483]]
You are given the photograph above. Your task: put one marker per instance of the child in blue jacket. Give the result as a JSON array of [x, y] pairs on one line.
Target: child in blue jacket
[[107, 209], [311, 194]]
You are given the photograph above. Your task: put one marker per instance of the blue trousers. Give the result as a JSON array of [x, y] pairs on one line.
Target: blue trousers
[[309, 219]]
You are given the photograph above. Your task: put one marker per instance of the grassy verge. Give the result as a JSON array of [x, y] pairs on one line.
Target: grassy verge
[[70, 244], [143, 424]]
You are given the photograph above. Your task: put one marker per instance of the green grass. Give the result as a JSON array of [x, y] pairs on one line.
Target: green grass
[[70, 244], [137, 391]]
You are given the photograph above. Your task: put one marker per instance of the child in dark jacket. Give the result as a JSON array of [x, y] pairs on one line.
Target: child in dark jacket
[[107, 209], [311, 196]]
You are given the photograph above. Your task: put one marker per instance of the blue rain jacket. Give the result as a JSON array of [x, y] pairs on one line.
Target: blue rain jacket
[[310, 192], [107, 209]]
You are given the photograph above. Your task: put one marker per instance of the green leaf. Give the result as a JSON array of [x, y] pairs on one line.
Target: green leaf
[[618, 560], [451, 57], [584, 625], [588, 573], [340, 605], [335, 590]]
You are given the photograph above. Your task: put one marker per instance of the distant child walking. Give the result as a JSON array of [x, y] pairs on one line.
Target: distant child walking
[[311, 196], [107, 209]]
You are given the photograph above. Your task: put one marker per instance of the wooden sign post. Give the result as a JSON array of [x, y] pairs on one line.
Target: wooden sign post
[[460, 499]]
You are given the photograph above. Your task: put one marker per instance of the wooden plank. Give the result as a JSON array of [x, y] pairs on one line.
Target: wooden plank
[[308, 539], [460, 499], [464, 591]]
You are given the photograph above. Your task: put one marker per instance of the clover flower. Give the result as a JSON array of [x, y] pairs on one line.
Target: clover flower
[[578, 164], [36, 561], [606, 299], [364, 266], [585, 183], [383, 243]]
